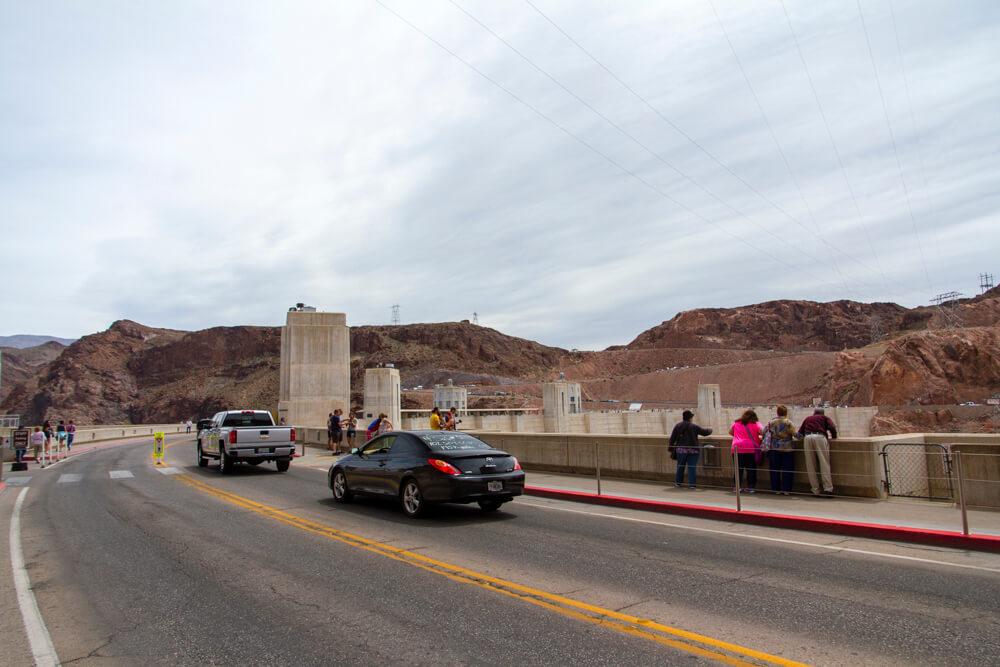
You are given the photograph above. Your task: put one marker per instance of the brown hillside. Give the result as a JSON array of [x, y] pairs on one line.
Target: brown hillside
[[776, 325], [133, 373], [19, 365]]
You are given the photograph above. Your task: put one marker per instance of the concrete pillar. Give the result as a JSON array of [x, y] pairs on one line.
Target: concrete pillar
[[315, 376], [560, 399], [709, 413], [382, 394]]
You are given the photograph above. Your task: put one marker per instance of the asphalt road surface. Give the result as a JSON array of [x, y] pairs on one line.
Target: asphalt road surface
[[136, 564]]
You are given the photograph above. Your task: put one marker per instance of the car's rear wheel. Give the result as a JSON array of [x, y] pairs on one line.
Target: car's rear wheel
[[339, 486], [411, 498], [490, 505], [282, 464], [202, 461], [225, 462]]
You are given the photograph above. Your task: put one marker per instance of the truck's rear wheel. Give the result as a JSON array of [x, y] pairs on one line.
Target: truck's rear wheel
[[202, 461], [225, 462], [282, 464]]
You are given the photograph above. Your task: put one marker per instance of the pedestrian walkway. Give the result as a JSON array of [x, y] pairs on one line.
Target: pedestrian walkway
[[900, 519]]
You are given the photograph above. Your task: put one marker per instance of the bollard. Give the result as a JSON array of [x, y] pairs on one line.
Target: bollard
[[597, 465], [957, 456], [736, 481]]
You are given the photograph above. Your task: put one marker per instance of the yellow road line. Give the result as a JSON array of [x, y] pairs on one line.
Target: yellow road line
[[633, 625]]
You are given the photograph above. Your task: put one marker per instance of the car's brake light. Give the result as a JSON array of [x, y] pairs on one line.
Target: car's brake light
[[293, 436], [232, 437], [517, 465], [444, 467]]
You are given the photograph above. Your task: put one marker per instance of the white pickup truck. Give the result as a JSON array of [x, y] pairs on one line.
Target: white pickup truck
[[245, 436]]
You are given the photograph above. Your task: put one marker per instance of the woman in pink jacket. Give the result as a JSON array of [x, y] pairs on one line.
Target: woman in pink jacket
[[746, 432]]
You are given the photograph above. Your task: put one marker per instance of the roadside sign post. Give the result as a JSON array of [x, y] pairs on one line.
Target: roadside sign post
[[158, 446]]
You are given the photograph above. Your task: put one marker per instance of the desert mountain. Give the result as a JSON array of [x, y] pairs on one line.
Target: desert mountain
[[780, 351]]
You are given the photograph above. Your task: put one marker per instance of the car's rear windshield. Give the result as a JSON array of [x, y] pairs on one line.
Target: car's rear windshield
[[452, 441], [248, 419]]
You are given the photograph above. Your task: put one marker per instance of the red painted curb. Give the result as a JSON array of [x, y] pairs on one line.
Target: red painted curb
[[941, 538]]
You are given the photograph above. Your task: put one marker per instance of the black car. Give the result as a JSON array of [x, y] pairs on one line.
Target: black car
[[421, 467]]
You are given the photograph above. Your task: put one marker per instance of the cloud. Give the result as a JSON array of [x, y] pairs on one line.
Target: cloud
[[190, 166]]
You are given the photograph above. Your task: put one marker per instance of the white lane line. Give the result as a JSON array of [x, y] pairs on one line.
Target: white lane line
[[38, 635], [69, 478], [121, 474], [18, 481], [170, 471], [763, 538]]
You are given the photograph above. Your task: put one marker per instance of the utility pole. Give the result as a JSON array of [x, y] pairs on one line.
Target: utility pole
[[985, 282], [395, 314], [876, 328], [475, 318]]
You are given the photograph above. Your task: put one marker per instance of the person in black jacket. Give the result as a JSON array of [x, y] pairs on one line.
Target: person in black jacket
[[684, 441]]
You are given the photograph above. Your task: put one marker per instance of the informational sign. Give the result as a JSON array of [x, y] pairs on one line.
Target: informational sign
[[158, 445], [20, 438], [993, 401]]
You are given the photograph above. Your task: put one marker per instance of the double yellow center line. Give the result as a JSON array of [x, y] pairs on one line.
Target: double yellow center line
[[683, 640]]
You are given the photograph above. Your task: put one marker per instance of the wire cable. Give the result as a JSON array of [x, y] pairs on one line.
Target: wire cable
[[895, 148], [579, 139]]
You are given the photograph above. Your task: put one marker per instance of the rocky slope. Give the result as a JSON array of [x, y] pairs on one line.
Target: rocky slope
[[19, 365], [780, 351], [776, 325]]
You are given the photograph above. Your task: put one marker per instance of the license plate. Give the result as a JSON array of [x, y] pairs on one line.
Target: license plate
[[494, 486], [264, 450]]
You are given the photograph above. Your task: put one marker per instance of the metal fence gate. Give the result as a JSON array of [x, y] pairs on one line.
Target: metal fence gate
[[918, 470]]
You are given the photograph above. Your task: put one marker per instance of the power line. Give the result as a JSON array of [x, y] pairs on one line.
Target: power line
[[777, 144], [895, 148], [615, 125], [833, 143], [579, 139], [723, 165]]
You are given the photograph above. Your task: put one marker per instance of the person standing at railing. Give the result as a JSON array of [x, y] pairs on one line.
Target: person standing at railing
[[781, 454], [70, 433], [684, 443], [815, 429], [746, 432]]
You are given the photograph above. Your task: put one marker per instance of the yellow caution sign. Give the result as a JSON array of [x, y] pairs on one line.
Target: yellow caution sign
[[157, 445]]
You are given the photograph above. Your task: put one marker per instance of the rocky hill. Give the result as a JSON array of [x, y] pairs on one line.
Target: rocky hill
[[791, 326], [780, 351], [19, 365]]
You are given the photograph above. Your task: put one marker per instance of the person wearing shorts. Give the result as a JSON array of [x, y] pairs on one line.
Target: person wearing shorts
[[352, 430], [337, 431]]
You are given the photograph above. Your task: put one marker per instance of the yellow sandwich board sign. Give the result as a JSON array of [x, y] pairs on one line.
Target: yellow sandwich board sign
[[158, 445]]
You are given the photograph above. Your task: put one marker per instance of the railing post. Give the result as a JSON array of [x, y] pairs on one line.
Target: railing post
[[736, 480], [957, 456], [597, 461]]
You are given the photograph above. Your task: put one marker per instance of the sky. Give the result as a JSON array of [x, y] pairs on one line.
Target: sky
[[572, 173]]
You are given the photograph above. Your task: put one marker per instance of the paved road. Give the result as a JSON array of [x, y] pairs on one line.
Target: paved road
[[135, 565]]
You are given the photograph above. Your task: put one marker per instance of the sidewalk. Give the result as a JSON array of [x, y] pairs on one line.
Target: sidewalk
[[900, 519]]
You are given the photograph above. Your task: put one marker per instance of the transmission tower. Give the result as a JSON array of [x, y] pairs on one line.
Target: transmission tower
[[947, 308], [985, 282], [475, 318], [395, 314]]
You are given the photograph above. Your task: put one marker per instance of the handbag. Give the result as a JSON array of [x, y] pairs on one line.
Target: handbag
[[765, 444], [758, 455]]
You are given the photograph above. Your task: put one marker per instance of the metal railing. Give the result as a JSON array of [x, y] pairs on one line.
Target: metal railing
[[961, 475]]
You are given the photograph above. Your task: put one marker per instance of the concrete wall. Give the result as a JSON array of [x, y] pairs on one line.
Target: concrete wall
[[315, 367], [449, 396]]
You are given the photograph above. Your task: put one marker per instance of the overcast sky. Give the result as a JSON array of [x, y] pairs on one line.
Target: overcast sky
[[572, 172]]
